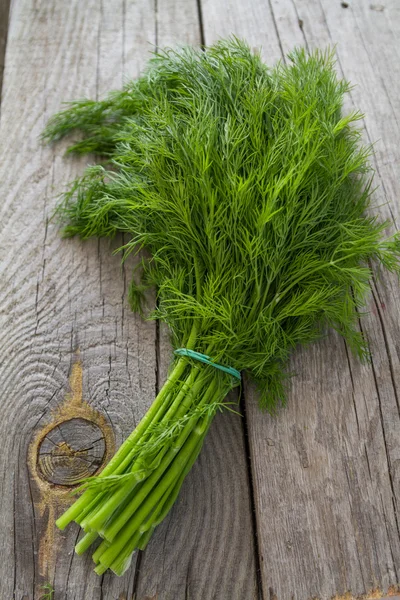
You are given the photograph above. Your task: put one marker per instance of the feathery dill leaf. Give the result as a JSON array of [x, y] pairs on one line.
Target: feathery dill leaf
[[250, 191]]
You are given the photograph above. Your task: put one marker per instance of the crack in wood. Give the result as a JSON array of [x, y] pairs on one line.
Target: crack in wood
[[253, 501]]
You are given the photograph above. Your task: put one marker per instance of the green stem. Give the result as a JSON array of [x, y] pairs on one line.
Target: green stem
[[116, 524], [99, 550], [80, 504], [96, 483], [157, 517], [120, 494], [86, 542], [122, 562], [130, 530], [98, 518]]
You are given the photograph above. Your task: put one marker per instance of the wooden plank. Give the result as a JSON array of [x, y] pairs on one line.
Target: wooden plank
[[4, 12], [368, 528], [206, 547], [325, 470], [200, 551], [56, 296], [252, 21], [178, 23], [126, 36], [74, 339]]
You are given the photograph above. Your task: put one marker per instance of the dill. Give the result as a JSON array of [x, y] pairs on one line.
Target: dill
[[48, 592], [250, 191]]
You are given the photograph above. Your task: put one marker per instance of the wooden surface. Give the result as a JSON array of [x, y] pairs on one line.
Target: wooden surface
[[300, 506], [4, 12]]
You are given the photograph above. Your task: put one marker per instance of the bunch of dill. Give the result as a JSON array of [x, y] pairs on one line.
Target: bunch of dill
[[247, 187]]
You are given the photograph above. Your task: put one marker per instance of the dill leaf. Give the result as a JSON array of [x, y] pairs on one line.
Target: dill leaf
[[249, 188], [250, 192]]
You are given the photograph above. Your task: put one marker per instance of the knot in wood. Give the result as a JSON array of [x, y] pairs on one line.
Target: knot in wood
[[71, 451]]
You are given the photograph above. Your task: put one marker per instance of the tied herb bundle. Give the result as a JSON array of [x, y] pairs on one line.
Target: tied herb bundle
[[247, 188]]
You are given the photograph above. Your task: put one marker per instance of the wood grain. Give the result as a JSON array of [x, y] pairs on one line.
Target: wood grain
[[63, 312], [199, 551], [58, 296], [4, 13], [326, 468], [252, 21], [71, 451], [205, 548]]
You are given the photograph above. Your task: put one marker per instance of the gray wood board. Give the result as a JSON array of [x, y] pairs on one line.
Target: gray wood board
[[325, 470], [70, 348], [200, 552], [4, 12], [326, 478], [207, 548]]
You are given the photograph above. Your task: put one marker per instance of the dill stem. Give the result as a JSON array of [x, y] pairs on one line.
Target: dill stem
[[75, 509], [172, 494], [86, 542], [131, 528], [123, 559], [108, 509], [88, 508], [122, 562], [98, 517], [102, 496], [106, 498]]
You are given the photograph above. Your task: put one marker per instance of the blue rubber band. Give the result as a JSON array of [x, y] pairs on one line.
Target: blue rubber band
[[208, 361]]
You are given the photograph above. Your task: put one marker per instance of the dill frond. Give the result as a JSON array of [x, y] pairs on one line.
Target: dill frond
[[251, 192], [248, 187]]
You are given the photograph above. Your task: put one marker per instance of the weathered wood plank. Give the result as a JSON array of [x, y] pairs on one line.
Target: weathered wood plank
[[56, 296], [4, 12], [126, 35], [326, 468], [73, 339], [252, 21], [178, 23], [206, 546], [200, 551]]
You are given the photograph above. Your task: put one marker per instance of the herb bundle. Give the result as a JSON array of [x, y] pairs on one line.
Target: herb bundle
[[248, 189]]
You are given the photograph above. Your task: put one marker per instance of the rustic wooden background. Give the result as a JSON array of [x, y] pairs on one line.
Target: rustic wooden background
[[304, 505]]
